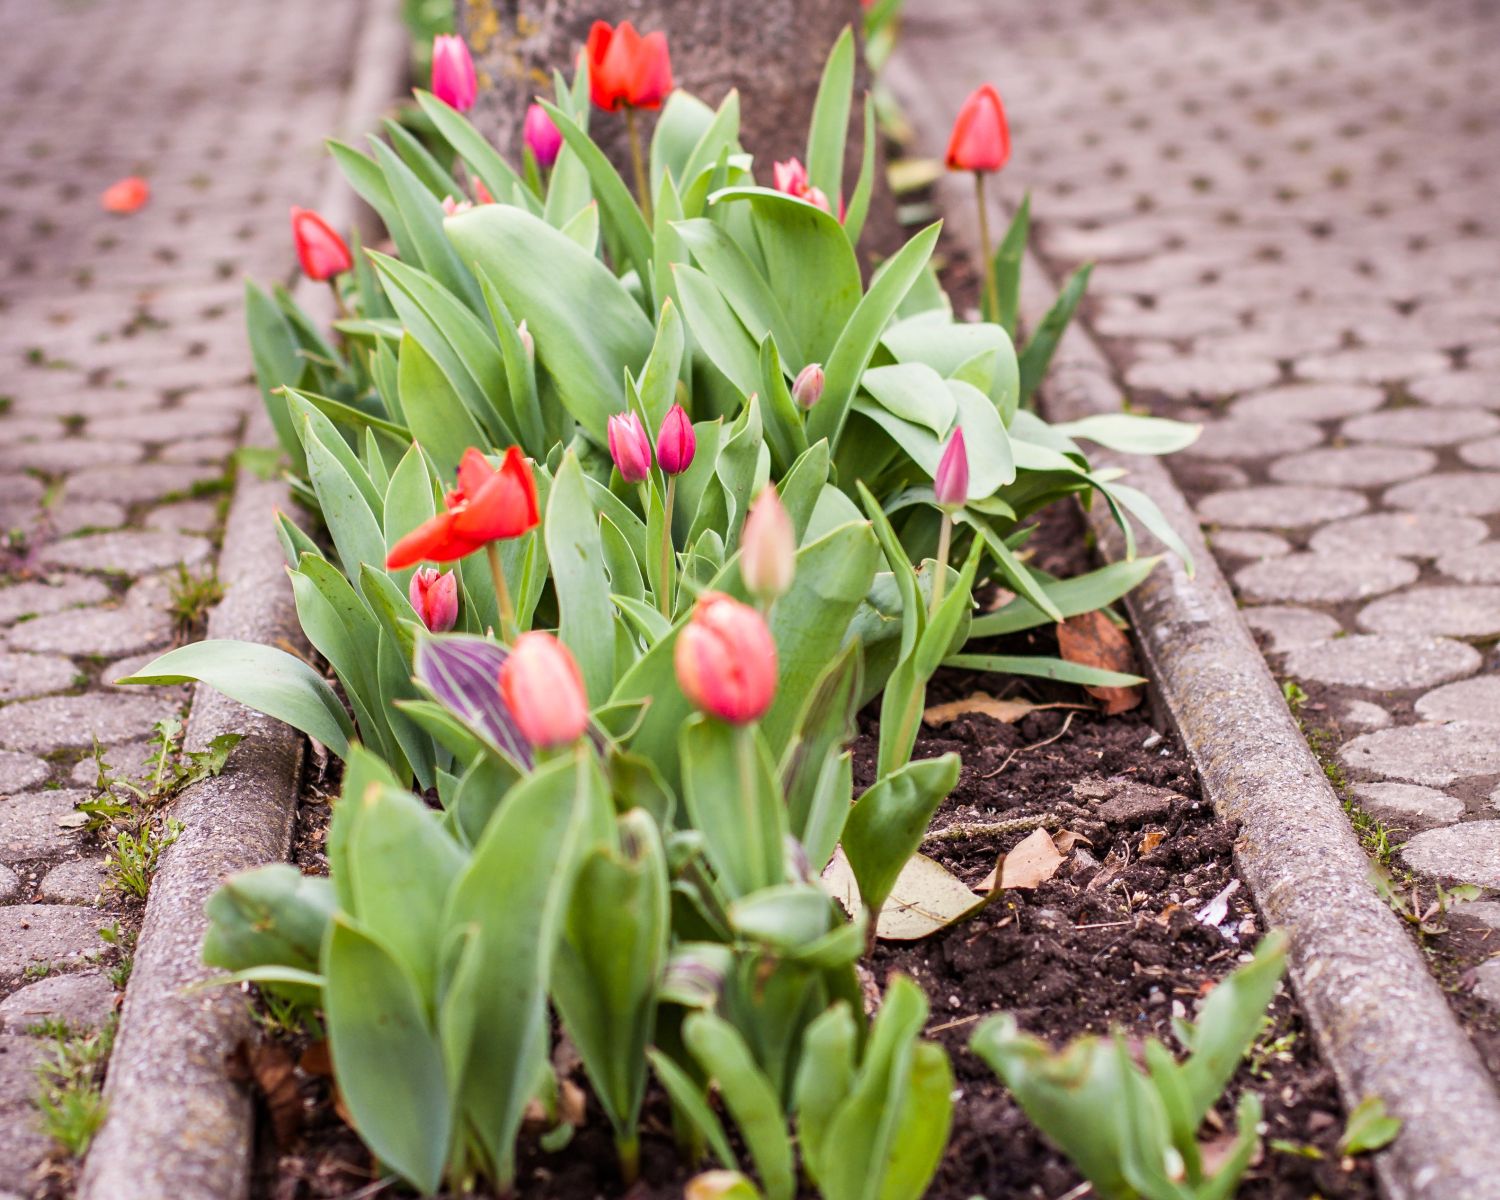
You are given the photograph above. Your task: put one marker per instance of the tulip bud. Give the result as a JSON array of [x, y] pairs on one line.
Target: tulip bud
[[543, 688], [768, 548], [320, 250], [482, 194], [726, 659], [951, 483], [981, 137], [807, 388], [452, 207], [453, 79], [126, 196], [676, 443], [541, 135], [435, 597], [629, 447], [528, 342]]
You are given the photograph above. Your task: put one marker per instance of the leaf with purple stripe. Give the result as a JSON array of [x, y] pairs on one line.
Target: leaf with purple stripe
[[462, 674]]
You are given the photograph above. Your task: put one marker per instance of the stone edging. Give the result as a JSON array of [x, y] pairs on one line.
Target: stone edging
[[177, 1125], [1381, 1021]]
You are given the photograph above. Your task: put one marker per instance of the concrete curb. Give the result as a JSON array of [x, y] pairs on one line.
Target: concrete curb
[[177, 1125], [1381, 1021]]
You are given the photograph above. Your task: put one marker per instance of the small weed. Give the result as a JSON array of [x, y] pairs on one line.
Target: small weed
[[278, 1015], [70, 1085], [1270, 1048], [38, 970], [132, 861], [192, 596], [1296, 697], [1409, 906]]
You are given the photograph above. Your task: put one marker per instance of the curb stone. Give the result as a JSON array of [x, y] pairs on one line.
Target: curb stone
[[1381, 1021], [177, 1125]]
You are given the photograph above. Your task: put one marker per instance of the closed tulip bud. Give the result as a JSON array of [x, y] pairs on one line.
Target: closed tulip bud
[[629, 446], [543, 688], [981, 138], [541, 135], [527, 341], [676, 443], [807, 388], [791, 179], [482, 194], [320, 250], [726, 659], [452, 207], [951, 483], [453, 79], [768, 548], [126, 196], [435, 597]]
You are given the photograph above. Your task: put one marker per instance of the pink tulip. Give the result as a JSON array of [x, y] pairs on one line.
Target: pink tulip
[[951, 483], [807, 388], [768, 548], [452, 207], [541, 135], [543, 688], [629, 446], [791, 178], [676, 443], [726, 659], [435, 597], [453, 79]]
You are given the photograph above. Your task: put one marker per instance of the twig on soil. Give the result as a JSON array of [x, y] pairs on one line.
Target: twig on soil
[[1009, 758], [963, 830], [954, 1024]]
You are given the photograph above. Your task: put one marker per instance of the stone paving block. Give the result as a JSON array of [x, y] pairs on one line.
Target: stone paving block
[[1478, 564], [127, 552], [69, 454], [1468, 493], [55, 935], [1185, 377], [1279, 506], [35, 597], [94, 631], [126, 760], [23, 675], [1409, 804], [1382, 663], [1250, 439], [139, 484], [1286, 627], [58, 722], [22, 1143], [1461, 389], [1371, 365], [1487, 982], [1434, 755], [29, 825], [10, 885], [1249, 543], [197, 450], [1354, 466], [83, 516], [1363, 715], [1483, 453], [1420, 426], [1441, 610], [1402, 534], [1469, 853], [1322, 578], [77, 881], [83, 1001], [1476, 699], [20, 771]]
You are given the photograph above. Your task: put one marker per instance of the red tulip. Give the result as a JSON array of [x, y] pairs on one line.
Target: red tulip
[[768, 547], [453, 79], [676, 443], [807, 388], [543, 688], [629, 446], [726, 659], [321, 252], [126, 195], [435, 597], [481, 193], [981, 138], [791, 179], [626, 68], [488, 505], [541, 135], [951, 483]]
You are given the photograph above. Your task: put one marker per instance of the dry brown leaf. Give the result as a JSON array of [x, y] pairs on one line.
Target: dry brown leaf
[[1009, 711], [1067, 840], [1029, 864], [316, 1060], [571, 1103], [1092, 640], [926, 897], [1151, 841], [270, 1069]]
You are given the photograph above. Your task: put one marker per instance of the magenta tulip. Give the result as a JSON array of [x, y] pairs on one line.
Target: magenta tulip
[[676, 443], [951, 483], [629, 446], [541, 135], [768, 548], [453, 79], [435, 597]]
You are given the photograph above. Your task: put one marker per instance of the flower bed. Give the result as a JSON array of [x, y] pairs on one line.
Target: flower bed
[[706, 494]]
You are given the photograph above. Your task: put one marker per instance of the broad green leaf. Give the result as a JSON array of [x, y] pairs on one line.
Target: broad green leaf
[[1040, 667], [915, 393], [576, 553], [718, 333], [732, 798], [1069, 597], [1042, 343], [441, 423], [1007, 266], [1132, 434], [864, 187], [422, 214], [830, 119], [688, 1099], [745, 289], [886, 825], [273, 350], [470, 145]]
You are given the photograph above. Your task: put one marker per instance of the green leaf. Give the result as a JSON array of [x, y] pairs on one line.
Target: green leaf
[[886, 826], [718, 333], [741, 284], [278, 364], [1369, 1127], [733, 800], [658, 381], [915, 393], [1037, 666], [263, 678], [830, 119], [378, 1032], [1132, 434], [824, 726], [1069, 597], [688, 1099], [422, 214], [271, 916], [1007, 265], [864, 187], [576, 552], [470, 145], [1042, 344]]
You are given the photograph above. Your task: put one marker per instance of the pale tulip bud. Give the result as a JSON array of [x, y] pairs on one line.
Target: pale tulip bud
[[543, 688], [526, 339], [951, 483], [725, 659], [629, 447], [768, 548], [807, 388], [435, 597]]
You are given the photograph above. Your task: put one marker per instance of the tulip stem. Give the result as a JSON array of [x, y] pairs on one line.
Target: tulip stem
[[338, 298], [665, 599], [940, 579], [502, 594], [991, 285], [638, 161], [744, 759]]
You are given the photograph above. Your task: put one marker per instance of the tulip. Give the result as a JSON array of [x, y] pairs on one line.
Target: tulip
[[675, 442], [321, 252], [726, 659], [768, 548], [126, 195], [950, 485], [807, 388], [453, 79], [543, 688], [452, 207], [629, 71], [435, 597], [488, 506], [630, 447], [791, 179], [481, 193], [528, 343], [981, 143], [541, 136]]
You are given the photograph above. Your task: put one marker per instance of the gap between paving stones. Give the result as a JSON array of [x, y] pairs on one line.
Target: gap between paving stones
[[177, 1125], [1381, 1021]]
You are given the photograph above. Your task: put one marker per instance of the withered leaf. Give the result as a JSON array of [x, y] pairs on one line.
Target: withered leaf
[[1029, 864], [269, 1069], [1009, 711], [1092, 640], [927, 897]]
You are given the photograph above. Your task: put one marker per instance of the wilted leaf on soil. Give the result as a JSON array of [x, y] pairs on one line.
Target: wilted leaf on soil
[[1092, 640], [1029, 864], [927, 897], [1152, 840], [269, 1068], [1009, 711]]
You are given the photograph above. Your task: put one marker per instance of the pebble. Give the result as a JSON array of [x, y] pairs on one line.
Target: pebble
[[1323, 578], [127, 552], [1409, 804], [1468, 493], [1476, 699], [57, 722], [1404, 534], [1354, 466], [83, 1001], [53, 934], [1309, 402], [1286, 627]]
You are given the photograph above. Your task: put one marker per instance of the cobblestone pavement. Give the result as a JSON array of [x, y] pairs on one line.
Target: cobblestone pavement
[[1292, 209], [124, 389]]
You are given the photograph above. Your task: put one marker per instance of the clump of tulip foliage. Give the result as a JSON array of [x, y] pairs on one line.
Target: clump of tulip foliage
[[635, 498]]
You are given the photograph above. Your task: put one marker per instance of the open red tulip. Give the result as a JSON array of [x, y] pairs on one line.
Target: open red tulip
[[489, 505], [626, 69]]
